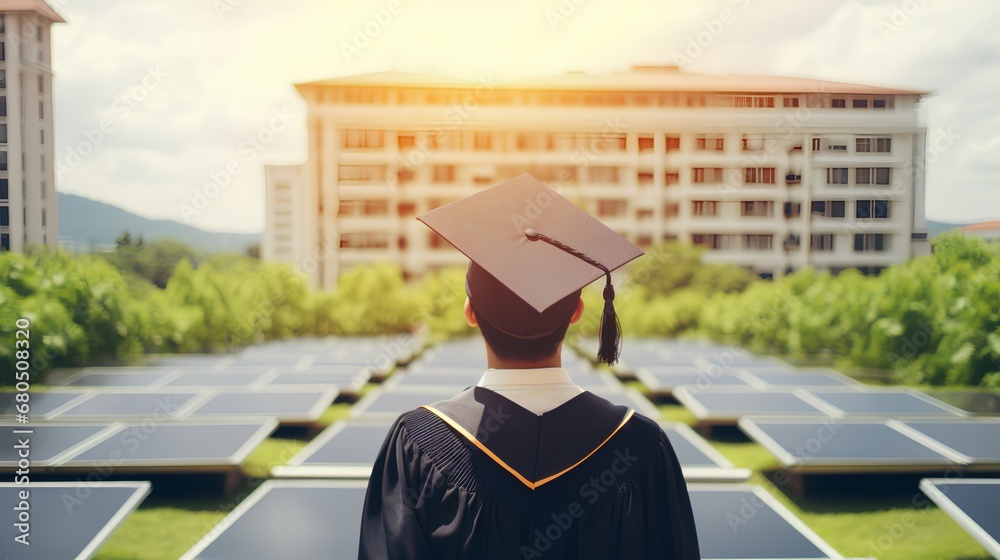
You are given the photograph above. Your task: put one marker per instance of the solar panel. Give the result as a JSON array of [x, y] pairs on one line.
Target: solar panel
[[726, 406], [736, 521], [188, 360], [831, 446], [240, 369], [661, 380], [262, 359], [125, 405], [699, 460], [68, 520], [972, 503], [387, 405], [731, 362], [47, 442], [305, 520], [345, 381], [460, 382], [977, 440], [299, 406], [133, 378], [214, 379], [168, 446], [43, 404], [778, 379], [346, 449], [888, 403]]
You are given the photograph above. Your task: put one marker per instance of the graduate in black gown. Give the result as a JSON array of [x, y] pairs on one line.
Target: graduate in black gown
[[526, 465]]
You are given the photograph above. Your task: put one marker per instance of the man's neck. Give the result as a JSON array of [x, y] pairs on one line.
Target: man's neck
[[495, 362]]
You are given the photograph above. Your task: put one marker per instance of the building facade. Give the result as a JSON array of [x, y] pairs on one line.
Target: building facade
[[773, 174], [28, 206]]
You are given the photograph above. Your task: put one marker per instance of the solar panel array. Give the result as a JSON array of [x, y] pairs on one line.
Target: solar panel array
[[211, 411]]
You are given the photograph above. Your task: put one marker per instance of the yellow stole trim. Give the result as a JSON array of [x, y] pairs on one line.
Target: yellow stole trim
[[532, 485]]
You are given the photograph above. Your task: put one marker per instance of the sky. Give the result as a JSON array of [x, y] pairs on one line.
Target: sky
[[155, 99]]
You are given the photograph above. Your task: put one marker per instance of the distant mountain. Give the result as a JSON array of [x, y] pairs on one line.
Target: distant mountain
[[936, 228], [88, 225]]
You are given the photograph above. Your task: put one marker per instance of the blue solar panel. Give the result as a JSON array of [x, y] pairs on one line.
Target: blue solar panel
[[972, 503]]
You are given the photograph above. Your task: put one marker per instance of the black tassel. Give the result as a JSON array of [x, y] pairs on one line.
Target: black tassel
[[611, 328]]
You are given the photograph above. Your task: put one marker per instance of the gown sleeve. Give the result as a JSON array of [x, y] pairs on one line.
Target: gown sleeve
[[678, 521], [390, 527]]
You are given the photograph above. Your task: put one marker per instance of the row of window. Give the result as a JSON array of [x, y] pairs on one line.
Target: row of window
[[407, 96], [863, 209], [863, 242], [595, 143], [5, 216]]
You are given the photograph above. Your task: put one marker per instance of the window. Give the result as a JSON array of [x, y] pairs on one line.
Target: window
[[407, 141], [3, 134], [41, 84], [837, 147], [816, 144], [4, 215], [710, 142], [829, 208], [872, 209], [707, 174], [757, 208], [444, 173], [3, 78], [791, 102], [761, 175], [860, 104], [43, 217], [869, 242], [362, 138], [4, 189], [3, 51], [611, 208], [754, 101], [793, 209], [482, 141], [364, 240], [705, 207], [3, 105], [405, 209], [871, 176], [838, 103], [645, 143], [836, 176], [758, 241], [645, 177], [363, 208], [404, 175], [821, 242], [879, 145], [878, 103], [671, 210], [3, 160], [673, 143], [362, 173], [603, 174], [671, 178], [5, 241], [714, 241]]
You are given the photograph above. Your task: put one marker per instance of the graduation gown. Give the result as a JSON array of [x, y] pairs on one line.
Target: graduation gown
[[478, 476]]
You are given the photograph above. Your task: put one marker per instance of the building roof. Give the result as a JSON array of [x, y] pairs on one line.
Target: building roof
[[982, 226], [39, 7], [640, 78]]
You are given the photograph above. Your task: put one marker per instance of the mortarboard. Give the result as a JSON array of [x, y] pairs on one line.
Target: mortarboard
[[532, 251]]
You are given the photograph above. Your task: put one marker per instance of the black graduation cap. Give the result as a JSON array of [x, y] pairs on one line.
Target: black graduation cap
[[532, 251]]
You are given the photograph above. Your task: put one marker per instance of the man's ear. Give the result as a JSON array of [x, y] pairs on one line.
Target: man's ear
[[470, 315], [578, 314]]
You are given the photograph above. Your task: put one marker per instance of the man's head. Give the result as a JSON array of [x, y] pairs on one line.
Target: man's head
[[520, 350]]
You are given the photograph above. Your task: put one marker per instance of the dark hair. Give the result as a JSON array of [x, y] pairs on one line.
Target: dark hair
[[514, 349]]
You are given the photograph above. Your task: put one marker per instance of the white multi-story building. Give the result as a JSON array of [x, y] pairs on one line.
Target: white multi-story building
[[28, 206], [769, 173]]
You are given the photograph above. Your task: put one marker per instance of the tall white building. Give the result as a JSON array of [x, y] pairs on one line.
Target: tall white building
[[769, 173], [28, 207]]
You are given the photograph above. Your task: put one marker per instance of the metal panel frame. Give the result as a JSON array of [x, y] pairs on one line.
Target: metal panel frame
[[929, 486], [296, 469]]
